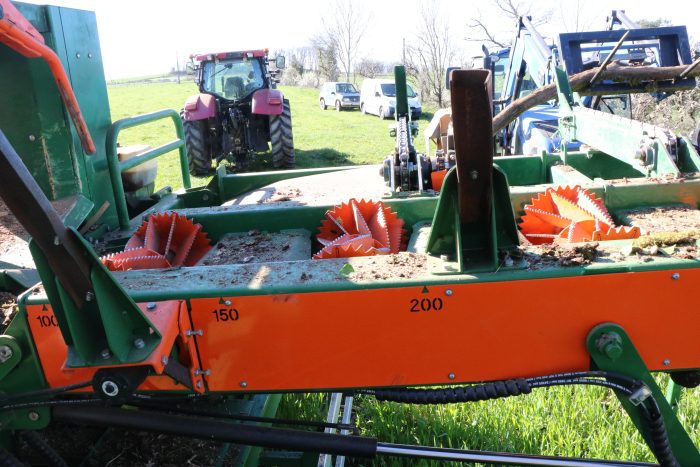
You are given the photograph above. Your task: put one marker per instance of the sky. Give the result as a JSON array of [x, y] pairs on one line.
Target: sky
[[144, 37]]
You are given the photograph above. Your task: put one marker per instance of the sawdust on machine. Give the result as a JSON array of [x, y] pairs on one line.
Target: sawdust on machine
[[678, 218], [8, 308], [13, 239], [255, 246]]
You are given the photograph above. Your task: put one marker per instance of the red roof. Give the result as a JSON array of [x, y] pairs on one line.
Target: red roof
[[224, 55]]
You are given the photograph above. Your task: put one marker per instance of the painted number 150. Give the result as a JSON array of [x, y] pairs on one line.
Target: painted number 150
[[225, 314]]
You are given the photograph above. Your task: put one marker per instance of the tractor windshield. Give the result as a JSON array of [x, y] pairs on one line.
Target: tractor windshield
[[232, 79]]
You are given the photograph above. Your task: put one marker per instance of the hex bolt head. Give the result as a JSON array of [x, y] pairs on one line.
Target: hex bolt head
[[449, 292], [474, 174], [33, 416], [89, 296], [5, 353], [32, 138], [244, 384], [151, 306], [610, 344], [105, 354], [77, 55], [227, 303], [451, 376], [675, 276], [139, 343], [667, 362]]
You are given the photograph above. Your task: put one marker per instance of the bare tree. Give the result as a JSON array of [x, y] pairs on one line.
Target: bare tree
[[503, 12], [430, 52], [325, 53], [574, 16], [370, 68], [344, 30]]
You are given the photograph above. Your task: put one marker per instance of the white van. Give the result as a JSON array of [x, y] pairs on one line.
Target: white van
[[378, 97]]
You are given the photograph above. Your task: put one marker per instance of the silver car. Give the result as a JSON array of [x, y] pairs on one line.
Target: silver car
[[339, 95]]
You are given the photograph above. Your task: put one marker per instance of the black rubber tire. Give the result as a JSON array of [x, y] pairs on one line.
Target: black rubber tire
[[338, 107], [282, 139], [322, 104], [198, 152]]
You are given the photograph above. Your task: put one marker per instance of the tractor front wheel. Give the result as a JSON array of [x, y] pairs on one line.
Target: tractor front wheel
[[282, 139], [198, 152]]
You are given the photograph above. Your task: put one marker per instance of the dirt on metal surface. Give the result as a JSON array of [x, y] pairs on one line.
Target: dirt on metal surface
[[13, 239], [260, 247], [8, 308], [554, 255], [680, 218]]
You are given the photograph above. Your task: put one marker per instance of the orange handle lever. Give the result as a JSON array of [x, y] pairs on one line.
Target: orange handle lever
[[19, 35]]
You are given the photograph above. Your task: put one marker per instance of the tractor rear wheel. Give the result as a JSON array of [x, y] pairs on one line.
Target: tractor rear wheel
[[198, 152], [282, 139]]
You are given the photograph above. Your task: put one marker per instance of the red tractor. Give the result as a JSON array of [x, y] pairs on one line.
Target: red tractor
[[237, 112]]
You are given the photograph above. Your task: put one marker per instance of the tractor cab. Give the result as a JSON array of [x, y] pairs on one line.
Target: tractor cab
[[234, 77]]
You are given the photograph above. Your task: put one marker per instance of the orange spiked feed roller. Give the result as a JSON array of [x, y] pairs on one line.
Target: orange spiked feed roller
[[570, 215], [360, 228], [164, 240]]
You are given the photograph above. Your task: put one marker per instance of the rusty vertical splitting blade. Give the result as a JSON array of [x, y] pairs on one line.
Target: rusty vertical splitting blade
[[473, 140]]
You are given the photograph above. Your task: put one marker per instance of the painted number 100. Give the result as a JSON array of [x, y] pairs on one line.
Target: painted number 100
[[225, 314], [46, 321]]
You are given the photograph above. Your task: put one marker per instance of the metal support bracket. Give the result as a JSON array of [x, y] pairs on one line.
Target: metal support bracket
[[611, 349]]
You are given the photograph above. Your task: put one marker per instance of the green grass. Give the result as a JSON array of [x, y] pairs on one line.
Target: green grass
[[321, 138], [578, 421], [567, 421]]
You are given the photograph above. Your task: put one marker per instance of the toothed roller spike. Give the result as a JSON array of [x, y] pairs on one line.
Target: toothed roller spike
[[163, 240], [360, 228], [570, 214]]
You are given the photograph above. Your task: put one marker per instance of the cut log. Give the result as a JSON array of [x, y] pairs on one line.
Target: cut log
[[580, 82]]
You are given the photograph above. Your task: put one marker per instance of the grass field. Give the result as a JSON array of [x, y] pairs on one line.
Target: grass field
[[586, 422], [321, 138]]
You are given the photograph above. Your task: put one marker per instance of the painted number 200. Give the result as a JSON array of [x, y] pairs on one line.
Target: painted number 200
[[225, 314], [426, 304]]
